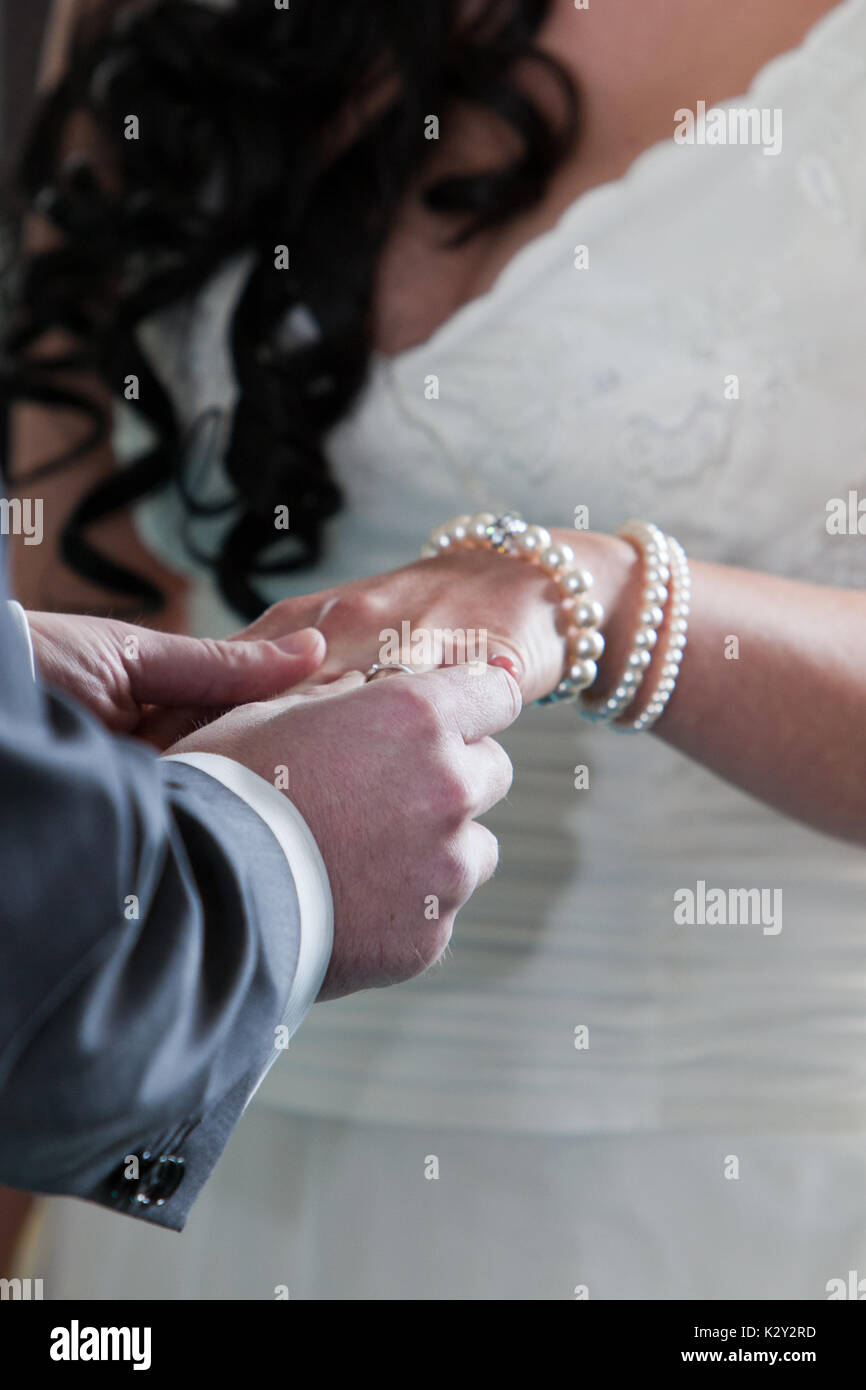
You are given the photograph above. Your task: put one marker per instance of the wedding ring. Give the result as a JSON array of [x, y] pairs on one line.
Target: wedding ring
[[387, 666]]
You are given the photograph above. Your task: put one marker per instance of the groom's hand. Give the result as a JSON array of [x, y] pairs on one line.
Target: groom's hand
[[130, 677], [389, 776]]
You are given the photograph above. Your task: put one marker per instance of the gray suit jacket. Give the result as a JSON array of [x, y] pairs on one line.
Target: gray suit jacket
[[129, 1044]]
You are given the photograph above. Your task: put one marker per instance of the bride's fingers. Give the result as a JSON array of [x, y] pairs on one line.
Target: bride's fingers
[[289, 615], [508, 663]]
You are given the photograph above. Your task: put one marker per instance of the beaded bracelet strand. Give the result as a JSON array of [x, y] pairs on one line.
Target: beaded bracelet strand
[[666, 580], [652, 544], [510, 535], [676, 643]]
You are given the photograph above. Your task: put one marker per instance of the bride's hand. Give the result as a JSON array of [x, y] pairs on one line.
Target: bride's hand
[[503, 604]]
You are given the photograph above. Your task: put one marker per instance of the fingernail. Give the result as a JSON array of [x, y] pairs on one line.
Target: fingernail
[[506, 662], [302, 643]]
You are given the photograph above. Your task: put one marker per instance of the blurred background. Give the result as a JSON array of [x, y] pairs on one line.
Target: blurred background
[[22, 26]]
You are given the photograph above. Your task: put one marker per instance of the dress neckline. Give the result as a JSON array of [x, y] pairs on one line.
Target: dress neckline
[[531, 256]]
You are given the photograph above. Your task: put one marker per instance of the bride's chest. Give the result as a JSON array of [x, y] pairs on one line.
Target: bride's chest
[[696, 359]]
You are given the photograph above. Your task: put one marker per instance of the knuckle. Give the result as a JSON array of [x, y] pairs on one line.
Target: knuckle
[[415, 705], [358, 606], [453, 798], [487, 852], [456, 874], [502, 765], [219, 651], [281, 615]]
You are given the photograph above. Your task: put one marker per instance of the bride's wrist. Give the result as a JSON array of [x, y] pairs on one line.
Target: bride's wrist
[[587, 581], [617, 572]]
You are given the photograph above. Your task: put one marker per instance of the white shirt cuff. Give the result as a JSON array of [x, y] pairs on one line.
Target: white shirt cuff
[[316, 908], [19, 618]]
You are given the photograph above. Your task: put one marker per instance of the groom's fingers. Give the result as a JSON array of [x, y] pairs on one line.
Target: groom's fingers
[[475, 699], [179, 671], [320, 686], [489, 772], [163, 727]]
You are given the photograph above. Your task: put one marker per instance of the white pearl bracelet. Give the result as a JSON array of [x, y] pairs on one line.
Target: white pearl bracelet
[[681, 593], [510, 535], [653, 544]]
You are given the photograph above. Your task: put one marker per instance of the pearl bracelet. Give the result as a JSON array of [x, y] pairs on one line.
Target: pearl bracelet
[[510, 535], [677, 628], [653, 544]]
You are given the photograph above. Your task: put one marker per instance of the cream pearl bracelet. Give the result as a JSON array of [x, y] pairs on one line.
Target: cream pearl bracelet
[[510, 535], [680, 597], [666, 578]]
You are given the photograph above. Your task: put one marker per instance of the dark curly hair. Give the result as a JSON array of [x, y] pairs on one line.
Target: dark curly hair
[[242, 146]]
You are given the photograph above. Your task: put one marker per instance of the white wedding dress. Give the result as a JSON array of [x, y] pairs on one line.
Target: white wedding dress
[[710, 1142]]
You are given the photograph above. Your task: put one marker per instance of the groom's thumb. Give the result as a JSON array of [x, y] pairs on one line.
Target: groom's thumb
[[171, 670]]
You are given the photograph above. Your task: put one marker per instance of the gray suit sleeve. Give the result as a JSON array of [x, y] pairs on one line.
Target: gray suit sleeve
[[148, 940]]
